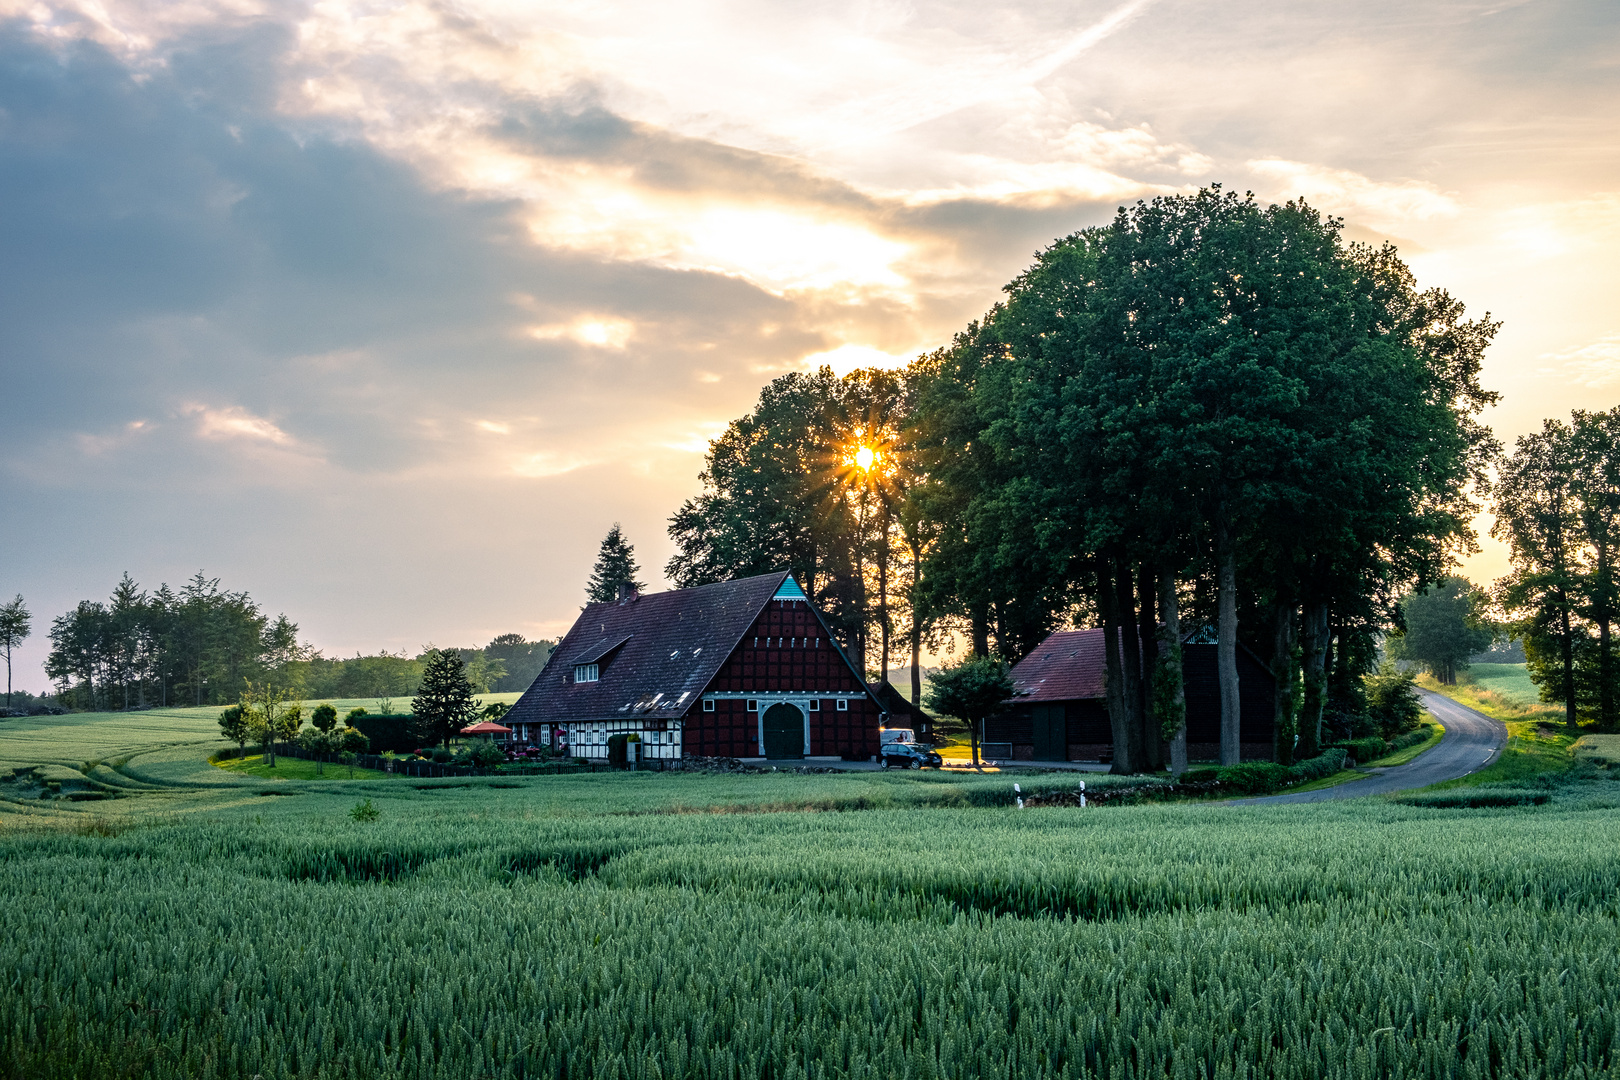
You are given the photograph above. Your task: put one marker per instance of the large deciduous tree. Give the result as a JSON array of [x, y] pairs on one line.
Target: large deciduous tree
[[1444, 625], [1208, 390], [819, 479]]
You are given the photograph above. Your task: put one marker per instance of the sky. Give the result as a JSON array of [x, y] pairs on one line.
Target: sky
[[386, 312]]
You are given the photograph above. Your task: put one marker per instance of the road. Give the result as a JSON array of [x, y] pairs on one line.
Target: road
[[1473, 740]]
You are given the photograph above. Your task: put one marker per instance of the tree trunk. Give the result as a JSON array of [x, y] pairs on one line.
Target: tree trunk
[[1226, 643], [1130, 648], [916, 623], [1113, 673], [1567, 645], [883, 600], [1170, 699], [1152, 741], [1603, 614], [1282, 667], [981, 632], [1313, 639]]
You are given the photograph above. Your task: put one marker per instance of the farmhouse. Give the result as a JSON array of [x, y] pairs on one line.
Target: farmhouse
[[1058, 711], [743, 668]]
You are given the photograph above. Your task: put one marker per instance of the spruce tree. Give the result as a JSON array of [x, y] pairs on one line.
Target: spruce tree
[[445, 702], [615, 564]]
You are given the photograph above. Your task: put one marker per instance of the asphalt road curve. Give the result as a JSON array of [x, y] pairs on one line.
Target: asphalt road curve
[[1472, 742]]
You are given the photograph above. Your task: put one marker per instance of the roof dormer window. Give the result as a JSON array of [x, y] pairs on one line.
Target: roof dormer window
[[587, 673]]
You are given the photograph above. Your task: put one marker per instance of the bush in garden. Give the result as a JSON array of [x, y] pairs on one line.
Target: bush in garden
[[352, 740], [324, 716]]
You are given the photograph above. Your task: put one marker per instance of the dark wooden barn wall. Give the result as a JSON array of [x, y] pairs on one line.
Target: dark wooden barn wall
[[1089, 734]]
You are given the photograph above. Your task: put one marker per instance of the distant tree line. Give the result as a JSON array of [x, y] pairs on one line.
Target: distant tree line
[[203, 645], [1207, 415]]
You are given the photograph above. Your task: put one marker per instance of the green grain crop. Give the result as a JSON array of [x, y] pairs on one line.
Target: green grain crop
[[537, 930]]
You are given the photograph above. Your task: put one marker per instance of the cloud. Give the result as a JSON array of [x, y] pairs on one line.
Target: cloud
[[235, 422], [599, 331], [1350, 194], [1595, 365], [500, 270], [847, 358]]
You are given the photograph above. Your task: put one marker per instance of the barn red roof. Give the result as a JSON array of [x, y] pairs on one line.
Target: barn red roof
[[1067, 666]]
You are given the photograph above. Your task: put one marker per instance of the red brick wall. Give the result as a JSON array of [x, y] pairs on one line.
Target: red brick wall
[[785, 650]]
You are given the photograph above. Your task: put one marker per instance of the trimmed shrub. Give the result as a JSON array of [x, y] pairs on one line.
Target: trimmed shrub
[[1200, 776], [1255, 777], [1324, 764], [1369, 749], [384, 732], [1411, 738]]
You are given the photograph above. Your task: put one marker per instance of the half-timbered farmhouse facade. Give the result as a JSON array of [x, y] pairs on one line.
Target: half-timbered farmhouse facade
[[743, 668]]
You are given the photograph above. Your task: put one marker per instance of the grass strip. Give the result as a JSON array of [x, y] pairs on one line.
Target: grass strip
[[291, 768], [1401, 757]]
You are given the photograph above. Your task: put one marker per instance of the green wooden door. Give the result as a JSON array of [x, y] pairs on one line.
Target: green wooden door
[[1051, 733], [784, 732]]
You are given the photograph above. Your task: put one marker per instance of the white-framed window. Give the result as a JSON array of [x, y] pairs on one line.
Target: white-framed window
[[708, 704], [843, 704], [753, 705], [587, 673], [815, 704]]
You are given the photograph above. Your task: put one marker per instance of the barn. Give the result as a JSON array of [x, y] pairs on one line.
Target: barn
[[1058, 711], [743, 668]]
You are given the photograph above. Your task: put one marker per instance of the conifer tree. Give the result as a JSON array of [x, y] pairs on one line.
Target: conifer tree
[[615, 564], [445, 702]]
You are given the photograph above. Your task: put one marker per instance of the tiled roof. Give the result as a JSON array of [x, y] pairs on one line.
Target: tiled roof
[[1067, 666], [670, 645]]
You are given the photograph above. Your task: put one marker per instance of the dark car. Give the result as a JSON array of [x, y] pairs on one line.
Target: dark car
[[901, 755]]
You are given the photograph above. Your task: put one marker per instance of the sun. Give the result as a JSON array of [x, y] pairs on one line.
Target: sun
[[864, 458]]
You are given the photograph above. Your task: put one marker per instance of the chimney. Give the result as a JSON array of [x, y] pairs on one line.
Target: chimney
[[627, 592]]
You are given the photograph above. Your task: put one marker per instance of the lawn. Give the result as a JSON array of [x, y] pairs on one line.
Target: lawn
[[210, 924], [1437, 732], [291, 768]]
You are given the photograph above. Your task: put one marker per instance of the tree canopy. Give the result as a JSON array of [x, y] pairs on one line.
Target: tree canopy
[[1208, 409], [971, 689], [1444, 625]]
